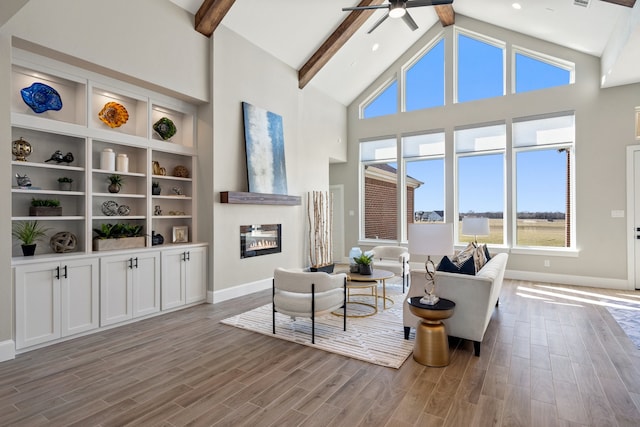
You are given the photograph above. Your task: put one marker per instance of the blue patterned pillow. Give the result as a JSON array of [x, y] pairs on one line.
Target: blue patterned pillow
[[467, 267]]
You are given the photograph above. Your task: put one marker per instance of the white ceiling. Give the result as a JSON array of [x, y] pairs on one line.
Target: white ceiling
[[292, 30]]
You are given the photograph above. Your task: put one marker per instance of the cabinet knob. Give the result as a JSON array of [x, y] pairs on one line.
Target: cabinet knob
[[65, 272], [131, 263], [136, 262], [58, 273]]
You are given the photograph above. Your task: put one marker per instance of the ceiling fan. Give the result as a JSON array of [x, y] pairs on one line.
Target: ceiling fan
[[398, 9]]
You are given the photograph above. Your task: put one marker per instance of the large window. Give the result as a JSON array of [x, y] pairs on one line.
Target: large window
[[480, 69], [385, 103], [424, 80], [480, 178], [543, 151], [424, 167], [379, 189], [532, 73]]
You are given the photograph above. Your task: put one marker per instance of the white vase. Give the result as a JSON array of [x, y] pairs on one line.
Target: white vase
[[108, 160], [122, 163]]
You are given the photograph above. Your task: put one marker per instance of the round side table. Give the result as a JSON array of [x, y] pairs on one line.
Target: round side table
[[432, 346]]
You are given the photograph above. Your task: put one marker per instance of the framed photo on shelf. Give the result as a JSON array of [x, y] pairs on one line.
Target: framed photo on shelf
[[181, 234]]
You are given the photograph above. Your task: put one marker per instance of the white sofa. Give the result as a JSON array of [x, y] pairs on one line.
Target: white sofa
[[394, 259], [475, 298]]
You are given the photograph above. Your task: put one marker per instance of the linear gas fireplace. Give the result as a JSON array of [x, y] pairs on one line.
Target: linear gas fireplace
[[256, 240]]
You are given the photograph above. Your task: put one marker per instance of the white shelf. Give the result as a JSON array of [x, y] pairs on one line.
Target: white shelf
[[121, 195], [43, 191], [48, 218], [172, 216], [47, 166], [117, 217]]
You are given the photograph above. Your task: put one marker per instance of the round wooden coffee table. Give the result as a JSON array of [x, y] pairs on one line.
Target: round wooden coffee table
[[432, 346], [375, 276]]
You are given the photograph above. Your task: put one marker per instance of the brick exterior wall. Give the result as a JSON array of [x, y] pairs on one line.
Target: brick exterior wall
[[380, 208]]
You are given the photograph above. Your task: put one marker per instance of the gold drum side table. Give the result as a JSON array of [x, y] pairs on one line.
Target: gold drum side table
[[432, 346]]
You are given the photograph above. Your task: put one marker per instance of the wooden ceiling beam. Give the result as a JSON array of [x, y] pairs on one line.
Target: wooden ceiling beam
[[336, 40], [447, 15], [627, 3], [210, 14]]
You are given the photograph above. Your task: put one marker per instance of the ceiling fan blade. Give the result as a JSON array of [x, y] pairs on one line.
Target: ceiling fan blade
[[378, 22], [418, 3], [409, 21], [380, 6]]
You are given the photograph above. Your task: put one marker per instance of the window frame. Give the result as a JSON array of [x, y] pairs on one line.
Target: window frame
[[484, 39], [538, 56]]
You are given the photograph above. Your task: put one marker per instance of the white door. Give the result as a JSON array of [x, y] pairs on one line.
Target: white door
[[633, 218], [79, 296], [115, 289], [146, 283], [37, 303], [172, 279], [195, 275]]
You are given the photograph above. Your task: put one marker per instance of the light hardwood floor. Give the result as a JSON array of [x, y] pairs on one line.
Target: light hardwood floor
[[552, 356]]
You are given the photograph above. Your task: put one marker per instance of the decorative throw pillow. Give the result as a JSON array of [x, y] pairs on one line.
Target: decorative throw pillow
[[467, 267], [479, 257], [486, 252], [464, 255]]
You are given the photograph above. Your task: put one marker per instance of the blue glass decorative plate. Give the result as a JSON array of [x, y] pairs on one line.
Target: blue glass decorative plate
[[41, 97]]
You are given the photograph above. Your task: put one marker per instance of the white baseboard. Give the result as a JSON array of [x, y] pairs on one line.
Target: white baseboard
[[239, 291], [7, 350], [563, 279]]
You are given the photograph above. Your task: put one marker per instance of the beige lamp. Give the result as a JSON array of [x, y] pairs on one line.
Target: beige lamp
[[430, 239], [474, 226]]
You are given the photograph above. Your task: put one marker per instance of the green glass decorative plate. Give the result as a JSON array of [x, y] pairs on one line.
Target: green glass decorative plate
[[165, 128]]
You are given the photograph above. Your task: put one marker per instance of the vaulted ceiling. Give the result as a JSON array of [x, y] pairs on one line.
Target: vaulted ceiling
[[333, 52]]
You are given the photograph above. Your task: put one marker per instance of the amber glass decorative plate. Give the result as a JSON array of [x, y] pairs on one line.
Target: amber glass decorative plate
[[113, 114]]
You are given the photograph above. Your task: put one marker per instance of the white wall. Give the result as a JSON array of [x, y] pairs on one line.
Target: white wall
[[313, 124], [146, 42], [604, 127]]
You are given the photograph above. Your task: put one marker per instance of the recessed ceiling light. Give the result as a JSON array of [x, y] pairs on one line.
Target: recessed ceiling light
[[375, 47], [516, 6]]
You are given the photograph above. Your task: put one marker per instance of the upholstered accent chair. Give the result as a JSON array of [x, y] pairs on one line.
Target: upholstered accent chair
[[394, 259], [299, 293]]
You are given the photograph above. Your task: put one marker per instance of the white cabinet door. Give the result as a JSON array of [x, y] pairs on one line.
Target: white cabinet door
[[173, 290], [37, 288], [146, 283], [196, 275], [79, 296], [115, 289]]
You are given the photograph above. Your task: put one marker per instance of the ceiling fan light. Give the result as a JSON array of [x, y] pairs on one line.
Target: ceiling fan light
[[397, 11]]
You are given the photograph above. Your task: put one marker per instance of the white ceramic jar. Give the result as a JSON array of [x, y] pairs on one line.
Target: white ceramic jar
[[108, 160], [122, 163]]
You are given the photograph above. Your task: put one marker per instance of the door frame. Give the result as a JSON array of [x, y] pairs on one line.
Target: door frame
[[338, 196], [632, 188]]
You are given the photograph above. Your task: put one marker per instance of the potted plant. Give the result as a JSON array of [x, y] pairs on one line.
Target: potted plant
[[28, 232], [45, 207], [155, 188], [64, 182], [115, 183], [320, 222], [118, 236], [364, 262]]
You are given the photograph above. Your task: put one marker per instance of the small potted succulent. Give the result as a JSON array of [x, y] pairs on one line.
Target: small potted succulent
[[115, 183], [364, 262], [28, 232], [64, 182]]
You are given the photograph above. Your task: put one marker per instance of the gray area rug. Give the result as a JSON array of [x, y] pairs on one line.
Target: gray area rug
[[378, 339]]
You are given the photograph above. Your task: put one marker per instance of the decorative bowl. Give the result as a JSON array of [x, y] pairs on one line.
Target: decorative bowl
[[113, 114], [165, 128], [40, 98]]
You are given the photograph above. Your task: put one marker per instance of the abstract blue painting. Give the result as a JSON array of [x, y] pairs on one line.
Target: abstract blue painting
[[264, 141]]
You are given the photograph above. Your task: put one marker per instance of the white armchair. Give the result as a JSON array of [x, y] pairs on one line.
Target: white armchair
[[394, 259], [298, 293]]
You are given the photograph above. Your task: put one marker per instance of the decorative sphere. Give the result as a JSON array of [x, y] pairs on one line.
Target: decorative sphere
[[21, 149], [181, 171], [63, 242]]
